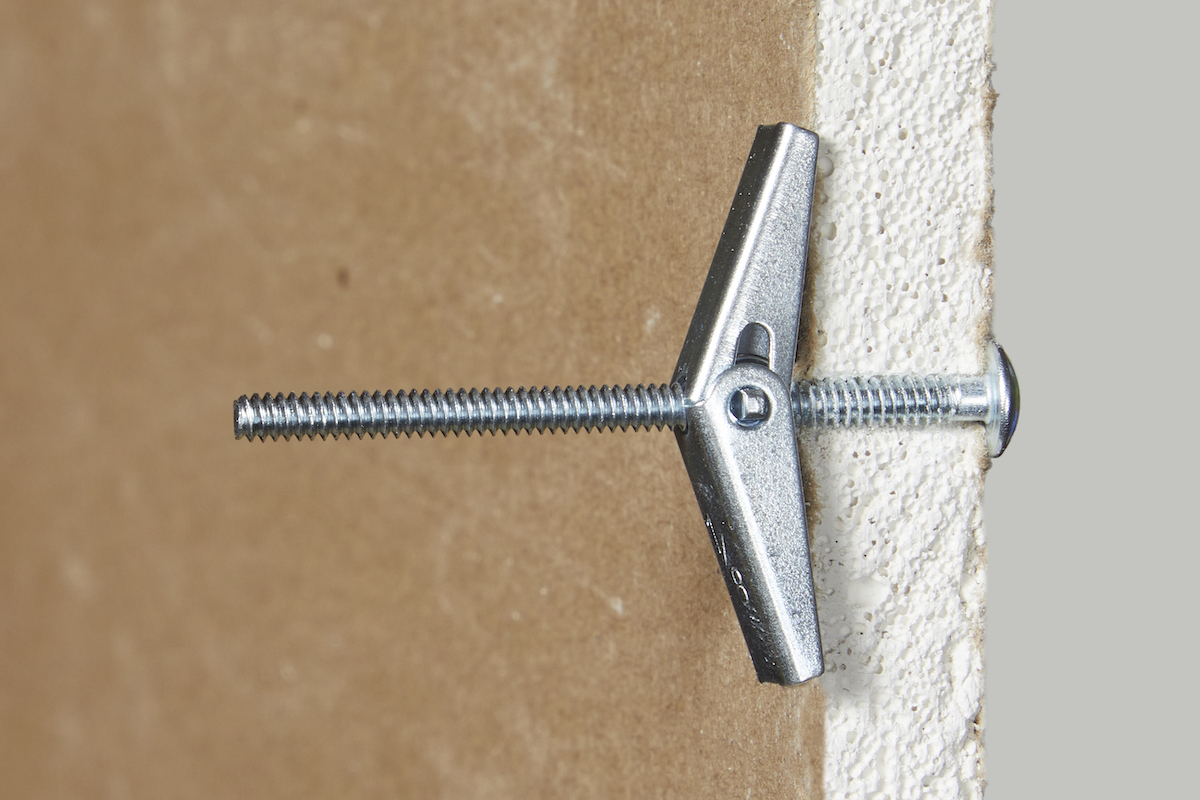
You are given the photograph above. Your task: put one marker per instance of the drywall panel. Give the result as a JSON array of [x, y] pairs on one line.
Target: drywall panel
[[249, 197]]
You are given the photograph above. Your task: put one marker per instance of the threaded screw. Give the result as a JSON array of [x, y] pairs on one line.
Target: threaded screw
[[992, 398], [462, 411]]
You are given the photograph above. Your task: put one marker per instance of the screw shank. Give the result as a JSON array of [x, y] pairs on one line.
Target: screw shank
[[993, 398], [891, 400], [462, 411]]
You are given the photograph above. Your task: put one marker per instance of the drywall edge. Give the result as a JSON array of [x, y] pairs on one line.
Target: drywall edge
[[900, 281]]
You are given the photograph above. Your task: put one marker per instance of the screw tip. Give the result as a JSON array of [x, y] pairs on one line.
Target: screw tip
[[1004, 402], [242, 425]]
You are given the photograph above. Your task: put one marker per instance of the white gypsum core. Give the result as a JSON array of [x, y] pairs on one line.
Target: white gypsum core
[[901, 283]]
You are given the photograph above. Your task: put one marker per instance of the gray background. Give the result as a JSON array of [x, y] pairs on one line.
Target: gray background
[[1092, 553]]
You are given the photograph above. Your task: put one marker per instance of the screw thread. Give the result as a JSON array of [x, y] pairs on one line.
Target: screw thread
[[461, 411], [884, 400]]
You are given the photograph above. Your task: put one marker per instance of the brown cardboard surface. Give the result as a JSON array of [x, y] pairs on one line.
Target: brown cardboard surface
[[202, 200]]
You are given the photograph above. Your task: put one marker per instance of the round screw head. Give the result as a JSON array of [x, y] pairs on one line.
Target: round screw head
[[749, 406], [1004, 400]]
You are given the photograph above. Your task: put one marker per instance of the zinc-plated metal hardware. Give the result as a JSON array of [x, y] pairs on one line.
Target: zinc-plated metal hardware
[[462, 411], [731, 403], [742, 341], [991, 398]]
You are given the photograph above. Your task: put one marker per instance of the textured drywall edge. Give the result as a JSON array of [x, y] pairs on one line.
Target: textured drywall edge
[[900, 281]]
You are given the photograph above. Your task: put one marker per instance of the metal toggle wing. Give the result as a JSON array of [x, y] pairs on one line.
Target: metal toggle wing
[[740, 441]]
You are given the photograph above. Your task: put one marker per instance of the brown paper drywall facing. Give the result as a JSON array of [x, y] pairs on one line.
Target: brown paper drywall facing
[[202, 200]]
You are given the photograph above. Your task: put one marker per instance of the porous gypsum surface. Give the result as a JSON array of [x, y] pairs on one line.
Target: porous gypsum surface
[[900, 283]]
